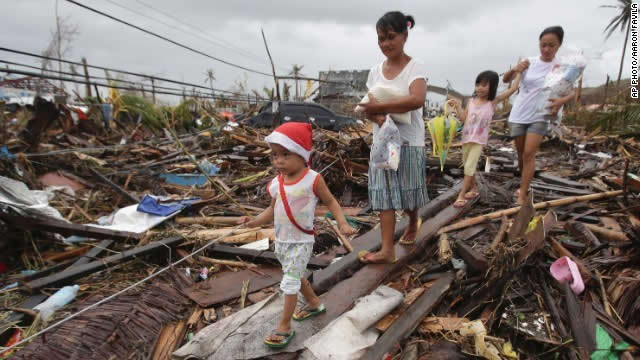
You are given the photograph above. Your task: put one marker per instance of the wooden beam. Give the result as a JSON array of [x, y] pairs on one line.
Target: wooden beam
[[410, 319], [551, 178], [541, 205], [116, 187], [93, 253], [63, 278], [66, 229], [254, 255], [341, 297], [324, 279], [474, 259]]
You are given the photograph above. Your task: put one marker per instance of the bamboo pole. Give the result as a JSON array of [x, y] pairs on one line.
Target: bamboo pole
[[501, 233], [343, 240], [607, 233], [225, 262], [208, 220], [541, 205]]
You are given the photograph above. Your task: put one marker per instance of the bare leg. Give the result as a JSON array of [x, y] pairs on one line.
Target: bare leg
[[386, 254], [412, 226], [311, 298], [519, 144], [467, 185], [285, 325], [532, 142]]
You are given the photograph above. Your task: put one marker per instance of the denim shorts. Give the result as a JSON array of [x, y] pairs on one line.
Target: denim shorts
[[519, 129]]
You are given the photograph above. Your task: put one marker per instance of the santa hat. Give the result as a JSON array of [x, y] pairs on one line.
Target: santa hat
[[295, 137]]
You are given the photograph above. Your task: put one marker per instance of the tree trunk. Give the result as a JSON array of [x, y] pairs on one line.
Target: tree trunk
[[625, 45]]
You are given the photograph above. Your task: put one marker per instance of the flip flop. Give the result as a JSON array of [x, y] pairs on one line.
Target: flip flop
[[363, 254], [471, 195], [410, 242], [282, 343], [310, 313], [460, 203]]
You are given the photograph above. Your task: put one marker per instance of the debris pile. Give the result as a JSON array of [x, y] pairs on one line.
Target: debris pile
[[104, 197]]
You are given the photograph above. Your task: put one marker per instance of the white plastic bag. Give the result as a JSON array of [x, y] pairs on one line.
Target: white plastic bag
[[386, 93], [559, 81], [386, 148], [57, 301]]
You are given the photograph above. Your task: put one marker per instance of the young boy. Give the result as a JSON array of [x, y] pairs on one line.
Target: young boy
[[295, 192]]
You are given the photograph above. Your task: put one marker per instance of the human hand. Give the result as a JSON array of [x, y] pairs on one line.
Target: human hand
[[454, 102], [555, 105], [347, 230], [520, 67], [244, 220]]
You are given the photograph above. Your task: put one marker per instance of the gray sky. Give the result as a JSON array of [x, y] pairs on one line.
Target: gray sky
[[455, 39]]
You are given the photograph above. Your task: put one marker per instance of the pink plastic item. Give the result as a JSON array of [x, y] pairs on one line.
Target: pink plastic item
[[565, 269]]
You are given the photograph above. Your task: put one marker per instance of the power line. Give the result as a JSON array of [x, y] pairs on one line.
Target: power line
[[54, 77], [140, 85], [218, 41], [116, 70], [169, 40]]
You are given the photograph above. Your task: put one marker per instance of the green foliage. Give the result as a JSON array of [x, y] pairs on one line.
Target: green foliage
[[136, 106]]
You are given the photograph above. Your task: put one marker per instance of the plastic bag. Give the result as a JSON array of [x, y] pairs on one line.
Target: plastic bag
[[559, 81], [442, 129], [386, 93], [386, 148]]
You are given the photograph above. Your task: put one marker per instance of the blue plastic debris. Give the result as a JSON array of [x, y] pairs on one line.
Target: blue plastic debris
[[4, 153], [153, 206]]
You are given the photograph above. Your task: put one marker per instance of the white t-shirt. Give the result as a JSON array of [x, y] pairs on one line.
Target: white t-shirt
[[532, 84], [302, 200], [413, 133]]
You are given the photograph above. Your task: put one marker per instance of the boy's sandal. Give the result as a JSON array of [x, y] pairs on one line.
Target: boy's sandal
[[471, 195], [309, 313], [410, 242], [460, 203], [362, 257], [287, 337]]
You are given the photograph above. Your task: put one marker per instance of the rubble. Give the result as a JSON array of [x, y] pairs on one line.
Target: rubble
[[476, 284]]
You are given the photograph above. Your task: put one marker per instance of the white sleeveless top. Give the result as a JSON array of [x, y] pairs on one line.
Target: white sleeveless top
[[302, 199]]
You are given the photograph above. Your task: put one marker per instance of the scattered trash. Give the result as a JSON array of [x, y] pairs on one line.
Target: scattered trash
[[59, 299]]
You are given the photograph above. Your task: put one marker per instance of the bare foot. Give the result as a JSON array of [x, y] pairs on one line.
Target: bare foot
[[460, 202], [379, 257], [411, 231]]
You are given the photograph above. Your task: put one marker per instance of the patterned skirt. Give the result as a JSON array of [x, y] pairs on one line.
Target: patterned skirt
[[404, 188]]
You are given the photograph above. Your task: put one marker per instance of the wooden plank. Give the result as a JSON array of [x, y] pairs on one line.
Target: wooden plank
[[58, 256], [579, 230], [324, 279], [384, 323], [475, 260], [66, 229], [409, 320], [566, 190], [341, 297], [254, 255], [67, 276], [577, 324], [93, 253], [226, 286], [551, 178]]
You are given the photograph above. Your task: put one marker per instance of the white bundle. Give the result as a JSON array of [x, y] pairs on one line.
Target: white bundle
[[386, 93]]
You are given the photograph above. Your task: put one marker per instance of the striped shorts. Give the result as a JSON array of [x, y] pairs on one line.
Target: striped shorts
[[404, 188]]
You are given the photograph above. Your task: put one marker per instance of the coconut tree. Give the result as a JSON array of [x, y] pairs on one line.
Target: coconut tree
[[296, 73], [622, 21], [210, 77]]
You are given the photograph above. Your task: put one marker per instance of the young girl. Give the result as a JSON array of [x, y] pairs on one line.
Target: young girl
[[295, 192], [404, 188], [477, 118]]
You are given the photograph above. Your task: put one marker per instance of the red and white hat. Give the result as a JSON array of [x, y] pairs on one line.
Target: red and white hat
[[295, 137]]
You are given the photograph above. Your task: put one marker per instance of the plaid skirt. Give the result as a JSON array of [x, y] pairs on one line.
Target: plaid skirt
[[404, 188]]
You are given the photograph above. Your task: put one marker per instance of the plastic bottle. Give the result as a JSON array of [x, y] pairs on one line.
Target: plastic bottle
[[57, 301]]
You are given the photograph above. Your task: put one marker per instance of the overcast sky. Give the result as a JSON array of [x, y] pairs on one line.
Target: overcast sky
[[455, 39]]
